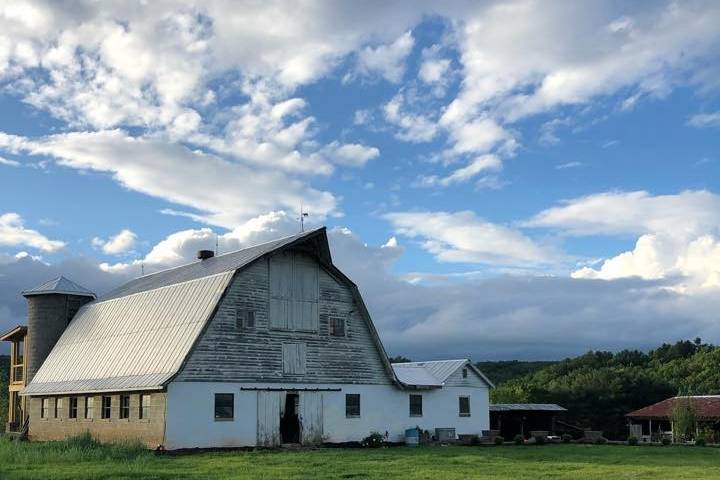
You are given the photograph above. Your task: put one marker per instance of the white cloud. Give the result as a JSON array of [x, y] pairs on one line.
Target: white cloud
[[566, 165], [122, 242], [414, 127], [701, 120], [463, 237], [223, 192], [387, 60], [351, 154], [14, 233], [483, 163], [9, 163]]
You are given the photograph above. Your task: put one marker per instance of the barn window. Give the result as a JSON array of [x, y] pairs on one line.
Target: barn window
[[89, 404], [144, 411], [337, 327], [464, 406], [244, 319], [352, 405], [58, 407], [464, 373], [293, 358], [73, 407], [416, 405], [124, 406], [106, 407], [294, 292], [224, 406], [44, 408]]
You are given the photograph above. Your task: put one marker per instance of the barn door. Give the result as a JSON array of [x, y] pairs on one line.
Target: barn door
[[268, 418], [311, 417]]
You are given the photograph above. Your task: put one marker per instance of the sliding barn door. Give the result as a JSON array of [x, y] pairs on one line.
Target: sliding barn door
[[269, 405], [311, 417]]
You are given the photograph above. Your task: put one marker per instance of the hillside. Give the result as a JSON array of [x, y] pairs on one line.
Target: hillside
[[599, 388], [503, 371]]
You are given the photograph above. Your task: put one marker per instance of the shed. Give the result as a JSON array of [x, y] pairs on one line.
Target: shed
[[511, 419], [655, 421]]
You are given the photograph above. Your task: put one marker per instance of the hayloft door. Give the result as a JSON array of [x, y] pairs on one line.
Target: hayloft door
[[311, 417], [269, 411]]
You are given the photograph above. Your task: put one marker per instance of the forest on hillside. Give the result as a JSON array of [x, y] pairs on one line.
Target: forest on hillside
[[599, 388]]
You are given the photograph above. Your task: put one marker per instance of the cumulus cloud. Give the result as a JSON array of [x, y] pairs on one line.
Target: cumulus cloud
[[204, 182], [701, 120], [479, 165], [14, 233], [464, 237], [387, 60], [351, 154], [9, 163], [122, 242]]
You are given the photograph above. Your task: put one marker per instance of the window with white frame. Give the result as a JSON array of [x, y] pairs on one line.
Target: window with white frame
[[352, 405], [44, 408], [464, 406], [416, 409]]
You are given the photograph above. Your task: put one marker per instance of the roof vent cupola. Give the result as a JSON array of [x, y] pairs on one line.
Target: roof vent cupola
[[205, 254]]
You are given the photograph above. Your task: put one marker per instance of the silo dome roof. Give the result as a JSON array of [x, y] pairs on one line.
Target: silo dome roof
[[59, 285]]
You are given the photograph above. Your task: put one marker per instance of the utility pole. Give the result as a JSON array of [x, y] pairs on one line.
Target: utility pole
[[217, 249]]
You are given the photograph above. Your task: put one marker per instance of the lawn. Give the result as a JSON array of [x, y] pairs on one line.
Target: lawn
[[59, 460]]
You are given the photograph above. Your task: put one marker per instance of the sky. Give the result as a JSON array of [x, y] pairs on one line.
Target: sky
[[516, 179]]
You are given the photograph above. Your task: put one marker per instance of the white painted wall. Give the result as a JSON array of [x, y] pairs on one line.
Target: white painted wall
[[190, 413]]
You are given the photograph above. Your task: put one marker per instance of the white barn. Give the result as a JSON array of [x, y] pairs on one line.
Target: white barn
[[265, 346]]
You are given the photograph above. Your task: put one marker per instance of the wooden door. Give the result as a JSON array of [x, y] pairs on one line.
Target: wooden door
[[268, 418], [311, 418]]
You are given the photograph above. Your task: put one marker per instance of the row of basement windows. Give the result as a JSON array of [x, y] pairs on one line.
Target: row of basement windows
[[225, 405], [84, 407]]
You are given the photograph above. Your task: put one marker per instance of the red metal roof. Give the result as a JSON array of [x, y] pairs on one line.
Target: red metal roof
[[706, 407]]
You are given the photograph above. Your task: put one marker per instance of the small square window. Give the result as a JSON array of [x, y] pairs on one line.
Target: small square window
[[416, 406], [244, 319], [106, 407], [337, 327], [144, 407], [224, 406], [464, 406], [352, 405], [72, 409], [124, 406]]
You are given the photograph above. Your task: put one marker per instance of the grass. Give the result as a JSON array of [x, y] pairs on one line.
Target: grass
[[81, 458]]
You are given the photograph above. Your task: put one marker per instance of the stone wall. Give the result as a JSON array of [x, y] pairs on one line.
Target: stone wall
[[150, 431]]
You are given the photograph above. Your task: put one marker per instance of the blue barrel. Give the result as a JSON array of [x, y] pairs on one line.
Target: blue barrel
[[412, 437]]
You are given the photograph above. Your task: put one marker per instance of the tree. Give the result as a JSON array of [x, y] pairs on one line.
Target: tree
[[684, 420]]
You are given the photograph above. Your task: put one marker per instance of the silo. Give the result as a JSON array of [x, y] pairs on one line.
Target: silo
[[51, 307]]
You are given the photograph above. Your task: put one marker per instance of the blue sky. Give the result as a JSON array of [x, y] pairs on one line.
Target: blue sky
[[517, 179]]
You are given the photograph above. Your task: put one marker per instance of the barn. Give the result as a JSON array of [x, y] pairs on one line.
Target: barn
[[265, 346]]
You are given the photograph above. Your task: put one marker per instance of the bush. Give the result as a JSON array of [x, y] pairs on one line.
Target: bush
[[665, 441], [539, 439], [566, 438], [499, 440], [601, 441], [374, 440], [700, 441], [519, 439], [632, 440]]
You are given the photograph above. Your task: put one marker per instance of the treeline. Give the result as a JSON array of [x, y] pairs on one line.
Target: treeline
[[599, 388]]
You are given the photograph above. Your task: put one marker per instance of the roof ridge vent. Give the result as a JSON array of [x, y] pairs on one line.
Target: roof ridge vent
[[205, 254]]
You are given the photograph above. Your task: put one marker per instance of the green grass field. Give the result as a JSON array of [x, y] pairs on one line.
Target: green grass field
[[63, 460]]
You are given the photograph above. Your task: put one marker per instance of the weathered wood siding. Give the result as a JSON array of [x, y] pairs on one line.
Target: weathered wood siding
[[311, 417], [472, 380], [268, 418], [230, 354]]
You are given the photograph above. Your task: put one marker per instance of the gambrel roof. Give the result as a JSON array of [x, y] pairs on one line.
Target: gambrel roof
[[433, 373], [138, 336]]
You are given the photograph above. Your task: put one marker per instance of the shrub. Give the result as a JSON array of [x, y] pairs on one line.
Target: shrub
[[374, 440], [566, 438], [665, 441], [539, 439], [700, 441], [632, 440], [519, 439], [499, 440], [601, 441]]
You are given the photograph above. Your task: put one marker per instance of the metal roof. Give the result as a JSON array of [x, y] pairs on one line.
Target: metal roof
[[706, 407], [204, 268], [526, 407], [134, 342], [432, 373], [14, 333], [59, 285], [137, 336]]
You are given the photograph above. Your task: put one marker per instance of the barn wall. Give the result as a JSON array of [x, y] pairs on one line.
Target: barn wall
[[150, 431], [228, 353], [382, 408], [472, 379]]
